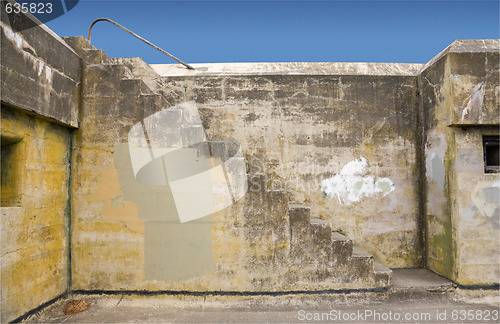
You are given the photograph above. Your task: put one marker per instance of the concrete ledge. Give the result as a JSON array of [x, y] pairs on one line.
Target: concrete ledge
[[40, 72], [289, 68], [466, 46]]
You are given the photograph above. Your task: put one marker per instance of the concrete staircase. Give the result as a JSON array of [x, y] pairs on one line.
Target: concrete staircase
[[317, 257], [313, 242], [119, 79], [287, 247]]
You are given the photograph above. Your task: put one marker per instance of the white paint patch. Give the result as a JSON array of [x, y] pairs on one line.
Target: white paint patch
[[474, 102], [485, 206], [16, 38], [11, 35], [356, 167], [40, 68], [28, 51], [435, 150], [350, 185], [48, 74], [486, 198]]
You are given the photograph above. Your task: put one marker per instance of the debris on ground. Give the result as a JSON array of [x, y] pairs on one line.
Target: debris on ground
[[73, 307]]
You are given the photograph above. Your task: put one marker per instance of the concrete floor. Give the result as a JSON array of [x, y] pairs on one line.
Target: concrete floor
[[418, 296], [418, 278]]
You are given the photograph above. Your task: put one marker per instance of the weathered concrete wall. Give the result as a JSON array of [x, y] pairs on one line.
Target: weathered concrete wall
[[40, 72], [35, 175], [350, 140], [305, 122], [460, 100], [107, 235], [129, 236], [477, 211]]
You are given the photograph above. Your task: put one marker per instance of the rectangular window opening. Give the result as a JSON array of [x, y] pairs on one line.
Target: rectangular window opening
[[491, 151], [11, 187]]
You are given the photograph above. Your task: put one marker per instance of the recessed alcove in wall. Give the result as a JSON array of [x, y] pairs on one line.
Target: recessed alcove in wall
[[491, 152], [10, 171]]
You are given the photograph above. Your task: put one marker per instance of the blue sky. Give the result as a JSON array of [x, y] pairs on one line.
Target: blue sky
[[282, 31]]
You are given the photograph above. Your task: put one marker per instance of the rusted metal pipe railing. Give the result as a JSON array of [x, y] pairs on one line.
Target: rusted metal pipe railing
[[139, 37]]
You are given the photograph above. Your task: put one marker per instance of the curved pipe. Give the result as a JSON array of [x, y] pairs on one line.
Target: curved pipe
[[139, 37]]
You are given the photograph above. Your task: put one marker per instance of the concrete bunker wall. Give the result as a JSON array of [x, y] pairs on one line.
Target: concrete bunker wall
[[460, 98], [251, 248], [40, 75], [35, 161], [304, 127], [355, 142]]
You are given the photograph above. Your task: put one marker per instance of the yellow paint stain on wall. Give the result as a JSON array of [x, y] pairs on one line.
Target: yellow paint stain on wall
[[33, 232], [115, 209]]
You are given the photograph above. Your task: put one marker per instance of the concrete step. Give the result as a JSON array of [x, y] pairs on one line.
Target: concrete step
[[380, 268], [360, 253], [300, 216], [120, 69], [152, 103], [321, 254], [111, 81], [338, 237], [134, 87], [138, 66], [320, 222], [111, 72], [361, 263], [108, 84], [341, 248], [321, 231], [78, 43], [141, 70], [320, 239], [382, 274], [96, 56], [420, 283]]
